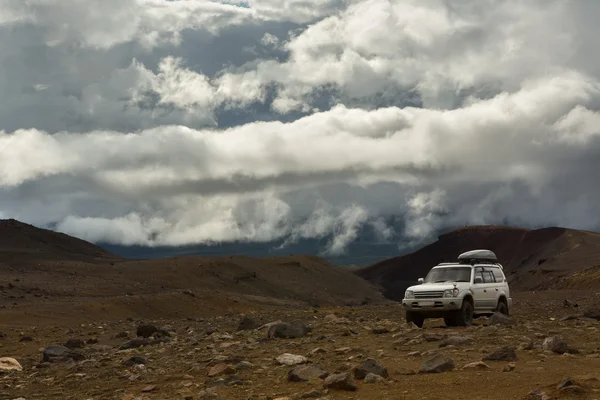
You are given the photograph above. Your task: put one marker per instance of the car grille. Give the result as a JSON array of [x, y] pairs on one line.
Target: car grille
[[429, 295]]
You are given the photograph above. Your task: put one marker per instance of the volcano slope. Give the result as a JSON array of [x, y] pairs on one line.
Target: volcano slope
[[550, 258]]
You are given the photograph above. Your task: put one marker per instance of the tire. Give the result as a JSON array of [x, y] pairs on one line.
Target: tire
[[464, 317], [450, 320], [502, 307], [415, 318]]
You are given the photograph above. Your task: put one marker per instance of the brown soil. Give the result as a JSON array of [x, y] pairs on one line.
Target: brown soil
[[551, 258], [178, 369]]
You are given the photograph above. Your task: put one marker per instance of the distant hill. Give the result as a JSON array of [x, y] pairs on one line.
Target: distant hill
[[48, 270], [20, 241], [549, 258]]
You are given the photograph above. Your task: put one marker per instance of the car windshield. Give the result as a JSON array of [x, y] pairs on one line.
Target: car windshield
[[449, 274]]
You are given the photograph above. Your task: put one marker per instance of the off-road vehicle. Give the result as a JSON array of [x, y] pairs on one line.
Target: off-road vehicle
[[459, 291]]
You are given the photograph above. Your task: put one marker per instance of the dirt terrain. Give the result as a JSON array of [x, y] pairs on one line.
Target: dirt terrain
[[550, 258], [209, 358], [85, 324]]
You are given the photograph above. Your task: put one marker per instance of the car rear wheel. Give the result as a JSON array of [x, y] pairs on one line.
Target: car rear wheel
[[464, 317], [415, 318], [502, 307]]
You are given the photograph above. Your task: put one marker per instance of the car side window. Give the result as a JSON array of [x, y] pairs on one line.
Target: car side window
[[498, 274], [477, 274], [488, 277]]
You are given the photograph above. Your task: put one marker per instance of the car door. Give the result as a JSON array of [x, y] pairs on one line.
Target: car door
[[501, 287], [479, 290], [490, 289]]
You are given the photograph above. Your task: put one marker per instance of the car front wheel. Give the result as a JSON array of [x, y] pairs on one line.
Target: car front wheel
[[464, 316], [415, 318]]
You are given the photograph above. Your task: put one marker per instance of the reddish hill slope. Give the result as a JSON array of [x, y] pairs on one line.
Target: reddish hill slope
[[554, 258], [20, 242]]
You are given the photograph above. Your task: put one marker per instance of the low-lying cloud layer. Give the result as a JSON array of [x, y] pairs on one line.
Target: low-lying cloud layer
[[176, 122]]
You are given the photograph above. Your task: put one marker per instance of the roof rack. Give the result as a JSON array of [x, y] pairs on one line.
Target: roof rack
[[481, 256]]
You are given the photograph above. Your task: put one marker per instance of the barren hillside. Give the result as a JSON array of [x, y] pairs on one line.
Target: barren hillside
[[50, 275], [24, 243], [554, 258]]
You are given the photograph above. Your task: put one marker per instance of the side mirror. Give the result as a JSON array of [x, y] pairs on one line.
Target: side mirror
[[478, 279], [421, 280]]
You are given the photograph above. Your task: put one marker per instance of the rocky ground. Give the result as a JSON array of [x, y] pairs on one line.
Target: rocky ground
[[546, 350]]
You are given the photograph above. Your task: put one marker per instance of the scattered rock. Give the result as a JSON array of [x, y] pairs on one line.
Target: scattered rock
[[334, 319], [291, 359], [566, 382], [502, 354], [149, 388], [477, 365], [539, 395], [56, 354], [135, 361], [10, 364], [569, 386], [221, 369], [569, 318], [555, 344], [26, 339], [509, 367], [457, 341], [134, 344], [209, 394], [74, 344], [318, 350], [247, 324], [189, 293], [593, 313], [146, 331], [305, 373], [210, 331], [567, 304], [340, 381], [380, 330], [287, 331], [374, 378], [370, 366], [433, 337], [437, 364], [500, 319]]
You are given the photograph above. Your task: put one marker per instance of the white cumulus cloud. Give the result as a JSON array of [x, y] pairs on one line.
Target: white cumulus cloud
[[159, 122]]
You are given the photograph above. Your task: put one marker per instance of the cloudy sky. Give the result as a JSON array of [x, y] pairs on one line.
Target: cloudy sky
[[161, 122]]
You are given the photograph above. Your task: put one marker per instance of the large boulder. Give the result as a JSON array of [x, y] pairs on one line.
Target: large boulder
[[370, 366], [55, 354], [437, 364]]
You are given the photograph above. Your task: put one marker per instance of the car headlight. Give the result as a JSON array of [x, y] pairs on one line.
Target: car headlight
[[409, 294], [451, 292]]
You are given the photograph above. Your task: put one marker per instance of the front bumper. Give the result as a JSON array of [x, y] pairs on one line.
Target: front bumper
[[432, 305]]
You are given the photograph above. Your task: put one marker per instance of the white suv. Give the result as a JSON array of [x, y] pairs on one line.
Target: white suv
[[474, 285]]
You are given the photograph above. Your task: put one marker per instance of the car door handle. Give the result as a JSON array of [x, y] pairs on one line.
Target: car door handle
[[485, 290]]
